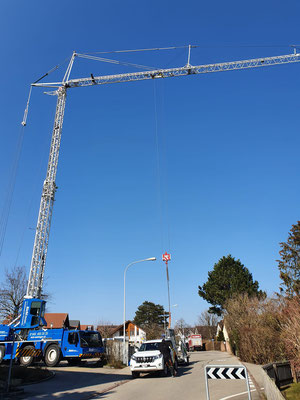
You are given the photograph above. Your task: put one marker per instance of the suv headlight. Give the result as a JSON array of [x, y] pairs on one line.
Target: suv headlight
[[133, 358], [157, 357]]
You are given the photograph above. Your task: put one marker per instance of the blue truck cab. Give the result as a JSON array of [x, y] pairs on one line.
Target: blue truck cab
[[32, 314]]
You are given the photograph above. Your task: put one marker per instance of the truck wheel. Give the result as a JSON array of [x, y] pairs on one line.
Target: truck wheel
[[2, 353], [26, 360], [52, 355], [135, 374]]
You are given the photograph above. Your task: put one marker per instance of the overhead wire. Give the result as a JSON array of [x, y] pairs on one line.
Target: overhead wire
[[10, 190], [107, 60], [15, 165], [192, 46], [34, 191]]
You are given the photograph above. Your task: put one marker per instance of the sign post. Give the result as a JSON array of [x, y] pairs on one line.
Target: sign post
[[226, 372], [166, 258]]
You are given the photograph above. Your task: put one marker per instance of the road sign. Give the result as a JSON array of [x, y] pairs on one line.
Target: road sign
[[166, 257], [226, 372]]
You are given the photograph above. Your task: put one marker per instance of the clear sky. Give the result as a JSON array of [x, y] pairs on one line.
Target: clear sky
[[201, 166]]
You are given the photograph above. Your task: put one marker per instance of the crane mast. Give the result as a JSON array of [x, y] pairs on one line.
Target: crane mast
[[39, 254], [40, 247]]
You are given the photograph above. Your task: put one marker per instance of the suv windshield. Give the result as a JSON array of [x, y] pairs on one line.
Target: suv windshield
[[149, 346], [90, 339]]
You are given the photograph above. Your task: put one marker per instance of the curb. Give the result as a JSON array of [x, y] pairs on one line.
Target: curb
[[258, 389]]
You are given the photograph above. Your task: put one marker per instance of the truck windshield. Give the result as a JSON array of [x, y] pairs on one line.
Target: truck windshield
[[149, 346], [90, 339]]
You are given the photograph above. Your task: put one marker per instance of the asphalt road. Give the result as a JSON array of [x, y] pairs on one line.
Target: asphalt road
[[85, 383]]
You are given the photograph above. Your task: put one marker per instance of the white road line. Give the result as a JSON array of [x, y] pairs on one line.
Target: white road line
[[238, 394]]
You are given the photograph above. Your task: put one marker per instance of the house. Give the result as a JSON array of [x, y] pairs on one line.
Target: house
[[86, 327], [106, 330], [74, 324], [133, 333], [57, 320], [221, 327], [206, 331]]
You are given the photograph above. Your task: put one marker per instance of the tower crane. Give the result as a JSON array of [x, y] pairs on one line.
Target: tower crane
[[54, 344], [40, 247]]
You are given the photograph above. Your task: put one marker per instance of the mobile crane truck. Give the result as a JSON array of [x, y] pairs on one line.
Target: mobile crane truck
[[27, 340]]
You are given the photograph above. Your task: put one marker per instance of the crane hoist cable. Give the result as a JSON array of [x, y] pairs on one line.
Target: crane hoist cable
[[162, 184]]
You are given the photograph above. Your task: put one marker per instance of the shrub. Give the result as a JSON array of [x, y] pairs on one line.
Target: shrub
[[290, 329], [254, 328]]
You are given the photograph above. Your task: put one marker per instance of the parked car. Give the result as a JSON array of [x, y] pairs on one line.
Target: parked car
[[149, 358]]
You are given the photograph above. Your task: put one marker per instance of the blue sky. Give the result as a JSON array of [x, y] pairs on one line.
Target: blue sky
[[228, 146]]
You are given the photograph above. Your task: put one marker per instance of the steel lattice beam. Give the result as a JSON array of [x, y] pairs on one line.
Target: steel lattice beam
[[40, 247], [173, 72]]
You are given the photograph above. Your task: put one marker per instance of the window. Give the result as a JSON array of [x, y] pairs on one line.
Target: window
[[149, 346], [35, 308], [73, 338], [90, 339]]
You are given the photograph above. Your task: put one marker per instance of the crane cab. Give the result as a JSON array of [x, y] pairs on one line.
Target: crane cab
[[32, 314]]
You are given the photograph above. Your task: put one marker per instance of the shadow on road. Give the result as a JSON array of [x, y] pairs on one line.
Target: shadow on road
[[74, 382], [184, 370], [91, 394]]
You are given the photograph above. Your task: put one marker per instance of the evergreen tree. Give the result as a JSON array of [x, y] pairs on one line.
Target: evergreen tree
[[289, 265], [228, 278], [149, 314]]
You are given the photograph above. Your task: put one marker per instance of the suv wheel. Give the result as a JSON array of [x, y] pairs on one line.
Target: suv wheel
[[135, 374]]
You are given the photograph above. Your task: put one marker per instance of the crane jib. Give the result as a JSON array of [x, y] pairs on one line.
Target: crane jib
[[173, 72]]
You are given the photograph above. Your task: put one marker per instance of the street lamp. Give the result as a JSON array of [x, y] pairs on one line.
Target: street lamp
[[134, 262]]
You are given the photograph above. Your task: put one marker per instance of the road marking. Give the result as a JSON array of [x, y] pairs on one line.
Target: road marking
[[235, 395], [251, 384]]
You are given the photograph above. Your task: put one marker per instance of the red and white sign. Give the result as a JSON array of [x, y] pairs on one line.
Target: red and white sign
[[166, 257]]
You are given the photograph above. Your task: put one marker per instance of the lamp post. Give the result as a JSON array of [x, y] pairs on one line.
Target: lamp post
[[124, 335]]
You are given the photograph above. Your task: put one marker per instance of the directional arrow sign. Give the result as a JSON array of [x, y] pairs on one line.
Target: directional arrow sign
[[226, 372]]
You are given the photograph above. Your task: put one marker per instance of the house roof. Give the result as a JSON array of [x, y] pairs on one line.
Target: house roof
[[74, 323], [121, 326], [86, 327], [57, 320], [207, 332], [106, 330]]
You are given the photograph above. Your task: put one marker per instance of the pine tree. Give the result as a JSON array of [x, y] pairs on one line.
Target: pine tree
[[289, 265], [228, 278]]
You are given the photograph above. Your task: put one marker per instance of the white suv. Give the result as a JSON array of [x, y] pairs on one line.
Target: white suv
[[150, 359]]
